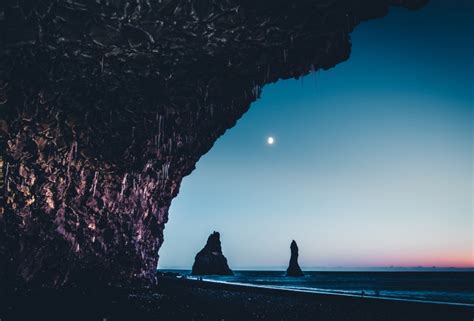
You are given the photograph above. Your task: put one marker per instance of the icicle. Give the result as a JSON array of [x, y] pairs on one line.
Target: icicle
[[255, 90], [94, 183], [207, 93], [164, 170], [102, 65], [160, 129], [124, 182], [348, 24], [147, 166], [7, 170], [72, 152]]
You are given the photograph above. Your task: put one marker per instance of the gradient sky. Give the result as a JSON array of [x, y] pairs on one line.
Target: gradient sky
[[372, 165]]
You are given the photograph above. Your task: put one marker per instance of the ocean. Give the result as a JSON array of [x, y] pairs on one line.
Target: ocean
[[444, 287]]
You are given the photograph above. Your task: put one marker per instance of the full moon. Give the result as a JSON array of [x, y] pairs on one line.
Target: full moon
[[270, 140]]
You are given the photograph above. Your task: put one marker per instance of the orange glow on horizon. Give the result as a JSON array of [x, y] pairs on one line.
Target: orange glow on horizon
[[427, 259], [440, 260]]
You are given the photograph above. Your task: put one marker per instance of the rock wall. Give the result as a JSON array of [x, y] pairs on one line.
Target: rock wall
[[106, 105]]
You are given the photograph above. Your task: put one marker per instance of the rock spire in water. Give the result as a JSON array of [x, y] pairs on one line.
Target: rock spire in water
[[210, 259], [294, 268]]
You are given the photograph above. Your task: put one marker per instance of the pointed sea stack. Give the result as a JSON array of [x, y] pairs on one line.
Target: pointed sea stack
[[210, 259], [294, 268]]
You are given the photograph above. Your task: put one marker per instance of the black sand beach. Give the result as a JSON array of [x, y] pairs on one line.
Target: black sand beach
[[180, 299]]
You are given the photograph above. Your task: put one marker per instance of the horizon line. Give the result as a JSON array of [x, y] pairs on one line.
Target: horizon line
[[362, 268]]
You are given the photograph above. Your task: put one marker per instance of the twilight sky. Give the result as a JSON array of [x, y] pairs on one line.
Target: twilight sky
[[372, 163]]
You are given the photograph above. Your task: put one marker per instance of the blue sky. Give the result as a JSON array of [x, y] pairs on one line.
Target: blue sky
[[372, 164]]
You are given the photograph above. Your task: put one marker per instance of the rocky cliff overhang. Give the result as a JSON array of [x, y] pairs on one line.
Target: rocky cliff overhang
[[106, 105]]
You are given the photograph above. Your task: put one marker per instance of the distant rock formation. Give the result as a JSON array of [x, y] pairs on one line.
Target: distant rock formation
[[294, 268], [210, 259]]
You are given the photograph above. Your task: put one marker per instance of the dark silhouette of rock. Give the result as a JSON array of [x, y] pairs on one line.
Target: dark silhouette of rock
[[210, 259], [106, 105], [294, 268]]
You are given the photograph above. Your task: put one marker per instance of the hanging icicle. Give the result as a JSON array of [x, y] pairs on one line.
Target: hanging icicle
[[72, 152], [94, 183], [164, 170], [124, 184]]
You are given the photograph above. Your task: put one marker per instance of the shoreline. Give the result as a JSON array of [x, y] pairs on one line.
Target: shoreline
[[335, 293], [342, 307]]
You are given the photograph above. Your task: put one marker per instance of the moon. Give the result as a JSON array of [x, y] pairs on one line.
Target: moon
[[270, 140]]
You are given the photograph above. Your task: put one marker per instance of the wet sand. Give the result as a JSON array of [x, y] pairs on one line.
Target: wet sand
[[180, 299]]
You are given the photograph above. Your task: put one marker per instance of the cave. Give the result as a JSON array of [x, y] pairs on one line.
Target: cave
[[105, 106]]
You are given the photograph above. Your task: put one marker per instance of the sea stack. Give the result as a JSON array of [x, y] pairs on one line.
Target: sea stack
[[294, 268], [210, 259]]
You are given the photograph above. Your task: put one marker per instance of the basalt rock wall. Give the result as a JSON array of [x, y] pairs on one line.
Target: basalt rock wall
[[106, 105]]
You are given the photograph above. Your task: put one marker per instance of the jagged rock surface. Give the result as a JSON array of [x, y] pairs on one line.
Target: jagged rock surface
[[106, 105], [210, 259], [294, 268]]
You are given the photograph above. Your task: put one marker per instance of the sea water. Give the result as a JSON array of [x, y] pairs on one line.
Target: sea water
[[449, 287]]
